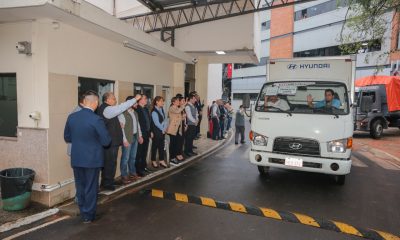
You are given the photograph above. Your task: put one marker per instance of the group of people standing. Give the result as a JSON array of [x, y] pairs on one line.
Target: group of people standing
[[95, 135], [220, 115]]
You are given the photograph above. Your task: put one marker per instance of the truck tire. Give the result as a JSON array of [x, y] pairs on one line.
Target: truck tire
[[340, 179], [376, 129], [263, 170]]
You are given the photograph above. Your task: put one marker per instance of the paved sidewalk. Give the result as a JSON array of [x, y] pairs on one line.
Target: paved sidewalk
[[204, 146], [385, 151], [389, 143], [10, 220]]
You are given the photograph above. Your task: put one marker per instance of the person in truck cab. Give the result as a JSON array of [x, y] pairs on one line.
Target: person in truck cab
[[329, 101], [275, 102]]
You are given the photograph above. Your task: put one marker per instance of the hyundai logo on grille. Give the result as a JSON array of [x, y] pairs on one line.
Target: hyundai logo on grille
[[295, 146], [292, 66]]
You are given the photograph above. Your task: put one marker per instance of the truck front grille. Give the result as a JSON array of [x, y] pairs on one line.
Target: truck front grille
[[296, 146]]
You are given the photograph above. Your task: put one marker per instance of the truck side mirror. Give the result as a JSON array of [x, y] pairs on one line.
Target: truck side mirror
[[366, 103], [246, 100]]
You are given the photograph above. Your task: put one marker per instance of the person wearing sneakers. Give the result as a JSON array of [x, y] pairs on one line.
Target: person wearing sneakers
[[132, 136]]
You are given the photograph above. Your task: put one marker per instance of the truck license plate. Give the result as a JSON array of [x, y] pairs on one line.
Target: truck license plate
[[294, 162]]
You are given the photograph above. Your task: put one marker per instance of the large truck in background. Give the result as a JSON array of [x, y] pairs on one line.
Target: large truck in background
[[303, 116], [378, 104]]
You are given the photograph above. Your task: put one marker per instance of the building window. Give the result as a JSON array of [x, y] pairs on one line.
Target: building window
[[240, 96], [100, 86], [243, 65], [8, 105], [319, 52], [144, 89], [337, 51], [265, 25], [320, 9]]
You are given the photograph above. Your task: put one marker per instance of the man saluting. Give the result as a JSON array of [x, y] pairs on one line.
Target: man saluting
[[88, 135]]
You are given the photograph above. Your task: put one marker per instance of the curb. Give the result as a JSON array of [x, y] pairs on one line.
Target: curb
[[394, 160], [27, 220], [292, 217], [106, 196]]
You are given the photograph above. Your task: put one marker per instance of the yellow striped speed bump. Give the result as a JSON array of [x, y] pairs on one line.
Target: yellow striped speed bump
[[275, 214]]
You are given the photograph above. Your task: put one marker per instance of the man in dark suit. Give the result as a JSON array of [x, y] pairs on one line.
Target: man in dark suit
[[88, 135]]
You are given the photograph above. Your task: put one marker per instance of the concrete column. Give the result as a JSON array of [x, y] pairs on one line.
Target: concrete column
[[178, 81], [208, 86], [201, 83], [214, 83]]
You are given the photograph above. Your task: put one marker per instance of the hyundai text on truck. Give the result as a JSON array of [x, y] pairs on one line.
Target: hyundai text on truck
[[305, 131]]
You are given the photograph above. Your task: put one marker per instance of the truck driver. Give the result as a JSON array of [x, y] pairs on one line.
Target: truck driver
[[328, 102]]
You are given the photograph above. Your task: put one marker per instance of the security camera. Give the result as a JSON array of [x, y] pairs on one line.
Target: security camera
[[35, 115], [20, 48], [24, 47], [195, 60]]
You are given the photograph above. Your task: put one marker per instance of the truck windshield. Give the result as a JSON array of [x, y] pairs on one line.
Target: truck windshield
[[304, 97]]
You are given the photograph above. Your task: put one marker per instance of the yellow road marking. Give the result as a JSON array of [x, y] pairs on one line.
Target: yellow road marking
[[157, 193], [208, 202], [181, 197], [387, 236], [345, 228], [237, 207], [270, 213], [306, 220]]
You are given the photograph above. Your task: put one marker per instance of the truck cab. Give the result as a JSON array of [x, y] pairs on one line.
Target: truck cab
[[372, 113], [303, 117]]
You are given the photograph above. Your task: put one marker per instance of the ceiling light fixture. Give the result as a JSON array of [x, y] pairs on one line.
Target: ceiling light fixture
[[220, 52], [139, 48]]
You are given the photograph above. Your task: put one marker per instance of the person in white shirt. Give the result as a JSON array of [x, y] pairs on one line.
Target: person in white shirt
[[276, 102], [192, 119]]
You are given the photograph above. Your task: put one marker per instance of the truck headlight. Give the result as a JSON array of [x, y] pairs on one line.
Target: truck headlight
[[258, 139], [340, 146]]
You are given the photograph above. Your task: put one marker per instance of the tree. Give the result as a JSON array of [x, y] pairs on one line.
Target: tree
[[365, 25]]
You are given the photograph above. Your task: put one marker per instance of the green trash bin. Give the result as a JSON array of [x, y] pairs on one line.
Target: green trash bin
[[16, 188]]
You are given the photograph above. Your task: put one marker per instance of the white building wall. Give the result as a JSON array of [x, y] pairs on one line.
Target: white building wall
[[214, 86], [76, 52]]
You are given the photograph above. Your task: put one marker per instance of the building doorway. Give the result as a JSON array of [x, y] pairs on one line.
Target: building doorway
[[100, 86], [144, 89]]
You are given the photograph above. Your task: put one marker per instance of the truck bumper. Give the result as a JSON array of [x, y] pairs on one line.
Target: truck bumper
[[310, 164]]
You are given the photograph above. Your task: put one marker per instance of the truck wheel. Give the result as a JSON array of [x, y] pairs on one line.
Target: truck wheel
[[340, 179], [263, 170], [376, 129]]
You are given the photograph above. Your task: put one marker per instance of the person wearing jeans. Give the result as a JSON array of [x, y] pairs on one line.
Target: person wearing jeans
[[132, 136], [110, 111]]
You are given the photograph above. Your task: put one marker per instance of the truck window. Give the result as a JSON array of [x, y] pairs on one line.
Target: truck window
[[304, 98], [370, 94]]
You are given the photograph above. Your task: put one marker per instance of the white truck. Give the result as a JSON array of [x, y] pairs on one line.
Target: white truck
[[303, 117]]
